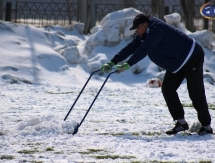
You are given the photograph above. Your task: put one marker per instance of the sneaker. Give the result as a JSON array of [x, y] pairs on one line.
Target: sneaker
[[178, 127], [204, 131]]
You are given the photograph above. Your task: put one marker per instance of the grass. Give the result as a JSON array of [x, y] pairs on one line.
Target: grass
[[25, 151], [49, 149], [7, 157], [91, 151], [113, 134], [121, 121], [210, 106], [59, 152], [132, 158], [187, 105], [153, 162], [149, 133], [112, 95], [114, 157], [58, 92], [126, 101], [95, 150]]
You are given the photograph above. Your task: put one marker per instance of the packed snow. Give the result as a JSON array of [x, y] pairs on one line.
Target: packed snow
[[42, 71]]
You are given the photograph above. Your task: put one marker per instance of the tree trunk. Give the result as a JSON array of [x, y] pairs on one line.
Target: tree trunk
[[69, 11], [213, 22], [128, 3], [155, 7], [206, 20], [188, 9], [1, 9]]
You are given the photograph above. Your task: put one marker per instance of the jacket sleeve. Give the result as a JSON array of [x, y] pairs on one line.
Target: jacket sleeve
[[153, 38], [128, 50]]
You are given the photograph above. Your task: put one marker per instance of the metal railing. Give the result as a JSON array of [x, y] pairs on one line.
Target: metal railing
[[41, 13]]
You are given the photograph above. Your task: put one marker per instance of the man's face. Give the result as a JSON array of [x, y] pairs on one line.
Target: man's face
[[141, 29]]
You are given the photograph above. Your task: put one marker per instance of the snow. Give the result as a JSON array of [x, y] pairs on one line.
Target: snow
[[42, 71]]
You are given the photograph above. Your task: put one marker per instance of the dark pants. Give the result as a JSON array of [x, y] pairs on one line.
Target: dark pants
[[193, 72]]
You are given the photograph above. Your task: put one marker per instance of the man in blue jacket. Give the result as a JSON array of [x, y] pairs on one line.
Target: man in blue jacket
[[181, 56]]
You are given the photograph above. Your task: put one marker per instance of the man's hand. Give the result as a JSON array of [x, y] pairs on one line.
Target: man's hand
[[107, 67], [121, 68]]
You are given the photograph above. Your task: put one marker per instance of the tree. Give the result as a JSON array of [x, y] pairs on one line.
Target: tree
[[188, 9], [155, 7], [69, 10], [128, 3], [1, 9]]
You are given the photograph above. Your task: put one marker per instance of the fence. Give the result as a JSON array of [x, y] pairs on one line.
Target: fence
[[41, 13]]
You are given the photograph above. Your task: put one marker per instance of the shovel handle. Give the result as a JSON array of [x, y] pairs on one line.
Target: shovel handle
[[78, 125], [81, 93]]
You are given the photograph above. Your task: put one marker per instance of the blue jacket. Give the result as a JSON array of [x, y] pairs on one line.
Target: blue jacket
[[165, 45]]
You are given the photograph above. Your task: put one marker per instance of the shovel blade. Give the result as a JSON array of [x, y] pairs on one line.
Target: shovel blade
[[76, 129]]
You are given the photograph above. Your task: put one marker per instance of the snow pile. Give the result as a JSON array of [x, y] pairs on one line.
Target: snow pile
[[45, 125], [61, 49], [204, 37], [175, 20], [113, 28]]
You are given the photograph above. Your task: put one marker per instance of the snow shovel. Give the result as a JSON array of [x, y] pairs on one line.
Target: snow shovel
[[79, 124], [81, 93]]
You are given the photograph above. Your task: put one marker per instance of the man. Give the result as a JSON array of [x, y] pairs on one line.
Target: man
[[182, 57]]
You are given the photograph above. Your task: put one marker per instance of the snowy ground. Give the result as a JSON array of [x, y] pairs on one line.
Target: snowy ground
[[42, 72], [126, 124]]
